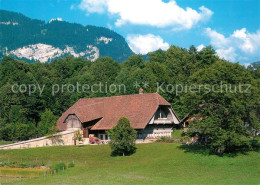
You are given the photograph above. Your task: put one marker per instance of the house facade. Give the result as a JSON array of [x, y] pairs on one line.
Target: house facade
[[149, 114]]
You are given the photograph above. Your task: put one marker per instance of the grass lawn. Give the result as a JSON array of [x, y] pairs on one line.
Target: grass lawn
[[5, 142], [157, 163]]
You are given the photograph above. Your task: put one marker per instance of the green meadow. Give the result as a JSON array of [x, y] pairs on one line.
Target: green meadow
[[157, 163], [5, 142]]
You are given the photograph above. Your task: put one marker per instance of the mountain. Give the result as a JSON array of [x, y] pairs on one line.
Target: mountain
[[36, 40]]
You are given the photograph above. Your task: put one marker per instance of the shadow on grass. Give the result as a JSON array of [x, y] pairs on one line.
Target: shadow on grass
[[116, 153], [195, 149], [203, 150]]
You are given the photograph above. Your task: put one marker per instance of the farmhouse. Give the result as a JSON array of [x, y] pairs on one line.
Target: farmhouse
[[150, 114]]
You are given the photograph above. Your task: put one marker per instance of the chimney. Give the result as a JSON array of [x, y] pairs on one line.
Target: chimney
[[141, 91]]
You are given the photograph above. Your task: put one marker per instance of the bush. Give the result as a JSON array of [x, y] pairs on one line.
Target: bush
[[77, 136], [185, 139], [168, 140], [71, 165], [177, 133], [15, 164], [59, 166]]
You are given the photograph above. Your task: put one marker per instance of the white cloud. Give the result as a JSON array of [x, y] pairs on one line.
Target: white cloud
[[240, 45], [200, 47], [110, 26], [148, 12], [217, 39], [142, 44], [248, 42], [93, 6], [227, 53]]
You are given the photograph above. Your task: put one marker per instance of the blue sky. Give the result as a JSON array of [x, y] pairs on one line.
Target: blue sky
[[232, 27]]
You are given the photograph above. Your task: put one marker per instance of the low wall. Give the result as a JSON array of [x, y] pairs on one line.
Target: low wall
[[62, 138]]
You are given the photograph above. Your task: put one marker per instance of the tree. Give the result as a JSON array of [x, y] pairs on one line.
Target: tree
[[48, 120], [193, 49], [255, 69], [256, 65], [104, 70], [229, 111], [7, 132], [208, 56], [122, 138], [135, 61], [21, 131], [157, 56]]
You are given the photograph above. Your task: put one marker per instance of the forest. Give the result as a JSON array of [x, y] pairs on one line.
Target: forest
[[231, 117], [32, 31]]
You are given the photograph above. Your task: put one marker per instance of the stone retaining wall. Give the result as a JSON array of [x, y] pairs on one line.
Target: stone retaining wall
[[62, 138]]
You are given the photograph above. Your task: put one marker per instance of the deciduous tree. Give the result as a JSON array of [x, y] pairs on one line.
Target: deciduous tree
[[122, 138]]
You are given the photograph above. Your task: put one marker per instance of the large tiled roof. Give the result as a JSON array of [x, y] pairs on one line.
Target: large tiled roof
[[138, 108]]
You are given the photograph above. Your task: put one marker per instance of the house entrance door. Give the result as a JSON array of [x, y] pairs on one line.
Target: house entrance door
[[85, 132]]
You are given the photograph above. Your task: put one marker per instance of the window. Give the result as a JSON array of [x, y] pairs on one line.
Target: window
[[161, 114], [103, 137], [139, 136]]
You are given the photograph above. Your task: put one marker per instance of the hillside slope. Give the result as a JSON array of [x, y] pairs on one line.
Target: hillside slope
[[35, 40], [157, 163]]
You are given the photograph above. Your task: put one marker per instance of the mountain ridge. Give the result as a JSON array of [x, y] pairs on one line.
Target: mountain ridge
[[37, 40]]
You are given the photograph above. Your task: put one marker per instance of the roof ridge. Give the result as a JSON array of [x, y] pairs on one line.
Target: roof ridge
[[118, 96]]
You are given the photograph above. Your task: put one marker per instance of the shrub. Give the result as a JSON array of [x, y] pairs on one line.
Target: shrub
[[77, 136], [71, 165], [168, 140], [185, 139], [177, 133], [59, 166]]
